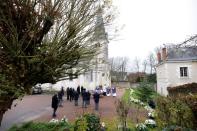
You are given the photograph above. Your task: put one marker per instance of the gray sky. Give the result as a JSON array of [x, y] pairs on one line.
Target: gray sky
[[151, 23]]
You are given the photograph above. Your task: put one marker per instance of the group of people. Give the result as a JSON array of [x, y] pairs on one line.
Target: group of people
[[106, 90], [73, 94]]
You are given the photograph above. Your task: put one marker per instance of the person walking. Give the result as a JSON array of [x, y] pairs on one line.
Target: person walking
[[78, 89], [60, 96], [113, 91], [96, 100], [54, 104], [82, 89], [71, 94], [88, 97], [84, 98], [68, 93], [76, 97]]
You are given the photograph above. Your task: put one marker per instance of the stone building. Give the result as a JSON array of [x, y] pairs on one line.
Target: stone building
[[176, 66], [99, 73]]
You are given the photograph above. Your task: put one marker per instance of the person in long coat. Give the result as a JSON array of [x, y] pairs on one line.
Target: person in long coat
[[71, 94], [54, 104], [82, 89], [68, 93], [60, 98], [88, 98], [76, 97], [78, 89], [84, 98], [96, 100]]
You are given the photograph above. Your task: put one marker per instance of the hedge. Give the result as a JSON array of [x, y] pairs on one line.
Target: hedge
[[190, 88]]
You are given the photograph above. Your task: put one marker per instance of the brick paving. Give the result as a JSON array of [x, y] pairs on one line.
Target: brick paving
[[106, 108]]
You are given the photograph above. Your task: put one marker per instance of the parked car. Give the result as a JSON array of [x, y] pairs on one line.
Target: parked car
[[37, 89]]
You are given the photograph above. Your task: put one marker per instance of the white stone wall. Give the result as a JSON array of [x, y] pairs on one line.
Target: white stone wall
[[168, 74], [162, 80]]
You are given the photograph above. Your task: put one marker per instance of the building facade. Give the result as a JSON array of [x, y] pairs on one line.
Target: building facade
[[99, 73], [176, 66]]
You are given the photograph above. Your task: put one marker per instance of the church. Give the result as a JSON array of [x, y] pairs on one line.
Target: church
[[99, 74]]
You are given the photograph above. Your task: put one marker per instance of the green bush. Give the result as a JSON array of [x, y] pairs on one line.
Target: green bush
[[81, 124], [190, 88], [174, 111], [144, 92], [176, 128], [152, 78], [34, 126], [93, 122], [88, 122]]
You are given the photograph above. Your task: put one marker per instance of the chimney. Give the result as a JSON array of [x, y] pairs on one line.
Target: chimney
[[158, 57], [164, 54]]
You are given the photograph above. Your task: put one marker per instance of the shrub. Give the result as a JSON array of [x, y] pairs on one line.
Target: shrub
[[183, 89], [93, 122], [81, 124], [150, 123], [144, 92], [176, 128], [152, 78], [122, 109], [34, 126], [87, 122], [141, 127], [174, 111]]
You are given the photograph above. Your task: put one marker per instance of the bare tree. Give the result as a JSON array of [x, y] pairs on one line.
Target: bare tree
[[118, 67], [152, 62], [137, 64], [144, 64]]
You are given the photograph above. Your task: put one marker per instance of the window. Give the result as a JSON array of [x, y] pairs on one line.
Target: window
[[184, 71]]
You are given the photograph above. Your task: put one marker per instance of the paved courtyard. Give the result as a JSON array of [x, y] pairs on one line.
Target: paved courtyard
[[38, 108], [106, 108]]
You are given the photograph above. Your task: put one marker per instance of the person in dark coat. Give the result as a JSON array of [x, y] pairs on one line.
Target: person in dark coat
[[76, 97], [88, 98], [82, 89], [84, 98], [68, 93], [71, 94], [62, 91], [54, 104], [78, 89], [96, 100], [60, 96]]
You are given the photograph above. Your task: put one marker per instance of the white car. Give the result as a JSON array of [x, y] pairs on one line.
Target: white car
[[37, 89]]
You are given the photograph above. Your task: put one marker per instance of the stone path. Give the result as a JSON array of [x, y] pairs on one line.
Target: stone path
[[107, 108]]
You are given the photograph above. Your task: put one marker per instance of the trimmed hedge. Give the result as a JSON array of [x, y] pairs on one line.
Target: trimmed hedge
[[180, 111], [190, 88]]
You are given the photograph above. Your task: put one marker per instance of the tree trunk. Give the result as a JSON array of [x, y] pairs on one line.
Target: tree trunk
[[5, 104]]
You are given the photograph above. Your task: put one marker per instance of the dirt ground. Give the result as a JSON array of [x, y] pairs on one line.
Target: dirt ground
[[107, 108]]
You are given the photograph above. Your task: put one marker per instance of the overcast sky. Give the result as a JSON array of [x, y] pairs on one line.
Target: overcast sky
[[151, 23]]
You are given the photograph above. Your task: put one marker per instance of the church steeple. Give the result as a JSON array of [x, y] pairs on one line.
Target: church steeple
[[100, 35]]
